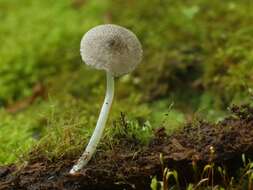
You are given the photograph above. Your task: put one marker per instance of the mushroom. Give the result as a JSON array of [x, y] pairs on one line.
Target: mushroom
[[118, 51]]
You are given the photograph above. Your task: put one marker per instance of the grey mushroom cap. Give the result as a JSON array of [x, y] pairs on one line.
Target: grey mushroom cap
[[112, 48]]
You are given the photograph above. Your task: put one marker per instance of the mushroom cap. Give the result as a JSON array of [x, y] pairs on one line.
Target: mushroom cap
[[112, 48]]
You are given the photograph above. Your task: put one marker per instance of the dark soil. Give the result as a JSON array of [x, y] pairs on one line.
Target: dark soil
[[121, 168]]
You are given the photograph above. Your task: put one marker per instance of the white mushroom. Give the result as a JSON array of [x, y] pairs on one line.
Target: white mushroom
[[116, 50]]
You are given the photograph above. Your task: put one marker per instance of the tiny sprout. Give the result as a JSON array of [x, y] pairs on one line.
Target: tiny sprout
[[116, 50], [212, 151]]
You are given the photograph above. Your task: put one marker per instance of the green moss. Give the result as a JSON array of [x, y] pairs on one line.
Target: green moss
[[134, 133], [66, 130], [40, 39], [199, 46], [16, 136]]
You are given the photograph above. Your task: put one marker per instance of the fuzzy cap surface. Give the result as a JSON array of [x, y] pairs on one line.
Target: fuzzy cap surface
[[111, 48]]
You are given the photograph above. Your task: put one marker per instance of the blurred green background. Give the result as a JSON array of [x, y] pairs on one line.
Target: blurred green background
[[198, 60]]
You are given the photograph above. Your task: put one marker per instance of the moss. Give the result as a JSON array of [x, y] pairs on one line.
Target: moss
[[41, 39], [200, 46], [16, 136]]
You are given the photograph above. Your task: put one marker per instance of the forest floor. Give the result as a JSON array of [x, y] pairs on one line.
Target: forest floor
[[125, 167]]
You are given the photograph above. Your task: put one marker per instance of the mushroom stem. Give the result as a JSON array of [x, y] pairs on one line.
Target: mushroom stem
[[97, 134]]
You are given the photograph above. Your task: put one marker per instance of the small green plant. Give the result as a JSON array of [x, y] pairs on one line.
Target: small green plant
[[247, 173], [167, 175], [164, 184], [130, 131], [206, 179]]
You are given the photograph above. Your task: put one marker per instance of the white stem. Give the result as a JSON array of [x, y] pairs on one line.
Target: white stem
[[96, 136]]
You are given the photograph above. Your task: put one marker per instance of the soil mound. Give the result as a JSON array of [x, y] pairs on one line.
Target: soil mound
[[200, 143]]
